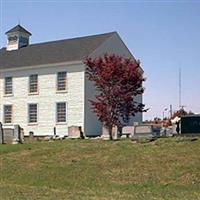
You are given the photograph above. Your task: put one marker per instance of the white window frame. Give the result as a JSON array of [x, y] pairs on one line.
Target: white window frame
[[4, 116], [29, 121], [29, 84], [66, 107], [5, 86], [57, 82]]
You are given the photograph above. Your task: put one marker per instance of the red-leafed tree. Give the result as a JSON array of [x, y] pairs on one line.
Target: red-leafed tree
[[118, 81], [181, 113]]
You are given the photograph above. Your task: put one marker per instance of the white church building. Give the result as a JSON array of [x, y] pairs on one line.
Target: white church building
[[44, 85]]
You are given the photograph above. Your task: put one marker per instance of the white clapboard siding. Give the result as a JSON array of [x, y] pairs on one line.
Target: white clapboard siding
[[46, 98]]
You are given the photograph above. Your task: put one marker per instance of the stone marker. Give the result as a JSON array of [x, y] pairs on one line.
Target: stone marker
[[16, 134], [115, 133], [105, 133], [8, 134], [21, 135], [74, 132], [143, 131], [128, 130]]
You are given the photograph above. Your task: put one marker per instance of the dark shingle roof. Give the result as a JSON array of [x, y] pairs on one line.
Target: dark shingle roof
[[18, 28], [75, 49]]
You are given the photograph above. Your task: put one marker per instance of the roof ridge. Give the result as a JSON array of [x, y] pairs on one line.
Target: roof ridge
[[18, 28], [52, 52], [74, 38]]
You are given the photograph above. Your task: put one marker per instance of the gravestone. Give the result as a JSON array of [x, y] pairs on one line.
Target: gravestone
[[128, 130], [143, 131], [115, 133], [18, 136], [21, 135], [74, 132], [11, 135], [105, 133], [8, 135]]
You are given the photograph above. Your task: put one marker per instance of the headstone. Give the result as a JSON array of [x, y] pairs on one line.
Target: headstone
[[143, 131], [16, 134], [21, 135], [115, 133], [157, 130], [31, 134], [11, 135], [174, 129], [74, 132], [128, 130], [105, 133], [8, 134]]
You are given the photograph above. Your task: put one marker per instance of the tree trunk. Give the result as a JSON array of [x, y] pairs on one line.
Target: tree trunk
[[110, 132]]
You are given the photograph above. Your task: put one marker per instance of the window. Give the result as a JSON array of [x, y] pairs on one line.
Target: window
[[61, 81], [61, 112], [32, 112], [7, 114], [33, 83], [8, 85], [12, 39]]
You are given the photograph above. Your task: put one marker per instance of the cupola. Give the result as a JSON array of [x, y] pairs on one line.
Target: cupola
[[17, 38]]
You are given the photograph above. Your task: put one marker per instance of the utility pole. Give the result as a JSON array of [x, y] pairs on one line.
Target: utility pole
[[163, 114], [170, 110], [180, 88], [180, 91]]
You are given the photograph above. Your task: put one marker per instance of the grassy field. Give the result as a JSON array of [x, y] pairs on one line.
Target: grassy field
[[93, 169]]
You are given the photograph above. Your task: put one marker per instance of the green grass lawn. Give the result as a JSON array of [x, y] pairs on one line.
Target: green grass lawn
[[93, 169]]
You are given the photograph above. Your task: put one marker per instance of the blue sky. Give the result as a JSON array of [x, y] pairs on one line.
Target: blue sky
[[164, 35]]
